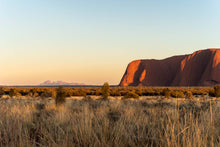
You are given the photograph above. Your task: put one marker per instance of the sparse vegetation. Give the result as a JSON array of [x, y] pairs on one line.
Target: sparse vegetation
[[12, 92], [212, 92], [29, 122], [87, 98], [131, 95], [47, 92], [189, 94], [177, 94], [166, 92], [2, 92], [60, 96], [217, 90]]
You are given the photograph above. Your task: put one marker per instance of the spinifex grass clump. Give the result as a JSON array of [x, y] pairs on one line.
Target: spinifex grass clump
[[60, 96], [87, 98], [113, 116]]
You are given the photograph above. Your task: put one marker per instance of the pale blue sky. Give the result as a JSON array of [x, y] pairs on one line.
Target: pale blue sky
[[92, 41]]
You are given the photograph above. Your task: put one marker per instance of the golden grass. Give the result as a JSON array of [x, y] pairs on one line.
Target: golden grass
[[94, 122]]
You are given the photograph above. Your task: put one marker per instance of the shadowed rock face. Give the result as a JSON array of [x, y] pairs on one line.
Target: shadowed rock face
[[201, 68]]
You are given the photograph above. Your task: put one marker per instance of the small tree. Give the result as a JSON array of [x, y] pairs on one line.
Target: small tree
[[105, 90], [188, 94], [12, 92], [212, 92], [166, 92], [60, 96], [217, 90], [2, 92]]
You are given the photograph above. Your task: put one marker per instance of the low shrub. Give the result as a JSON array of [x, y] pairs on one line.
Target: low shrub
[[87, 98], [212, 92], [46, 94], [13, 92], [131, 95], [217, 90], [177, 94], [23, 92], [2, 92], [188, 94], [60, 96], [166, 92]]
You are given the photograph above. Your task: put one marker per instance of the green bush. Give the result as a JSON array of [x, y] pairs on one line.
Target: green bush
[[60, 96], [105, 90]]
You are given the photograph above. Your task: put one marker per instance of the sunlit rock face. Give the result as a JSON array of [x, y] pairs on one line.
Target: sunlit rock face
[[201, 68]]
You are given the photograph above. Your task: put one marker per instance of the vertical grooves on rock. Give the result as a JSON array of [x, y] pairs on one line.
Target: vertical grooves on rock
[[201, 68]]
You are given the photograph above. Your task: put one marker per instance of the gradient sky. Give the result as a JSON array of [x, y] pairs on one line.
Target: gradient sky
[[92, 41]]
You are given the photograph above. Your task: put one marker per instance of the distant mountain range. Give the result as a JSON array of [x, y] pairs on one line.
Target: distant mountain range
[[59, 83]]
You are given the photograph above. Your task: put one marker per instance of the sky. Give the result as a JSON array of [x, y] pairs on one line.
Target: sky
[[92, 41]]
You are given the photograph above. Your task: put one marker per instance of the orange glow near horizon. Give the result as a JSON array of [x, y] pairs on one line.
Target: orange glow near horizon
[[33, 74], [92, 43]]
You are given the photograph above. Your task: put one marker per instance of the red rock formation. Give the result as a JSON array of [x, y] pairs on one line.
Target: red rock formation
[[201, 68]]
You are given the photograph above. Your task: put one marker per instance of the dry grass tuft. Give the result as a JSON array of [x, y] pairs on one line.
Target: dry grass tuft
[[90, 122]]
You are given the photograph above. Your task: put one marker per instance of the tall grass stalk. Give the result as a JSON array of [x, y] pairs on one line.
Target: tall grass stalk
[[28, 122]]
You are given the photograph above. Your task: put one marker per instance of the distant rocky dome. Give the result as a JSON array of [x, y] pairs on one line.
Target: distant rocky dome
[[59, 83], [201, 68]]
